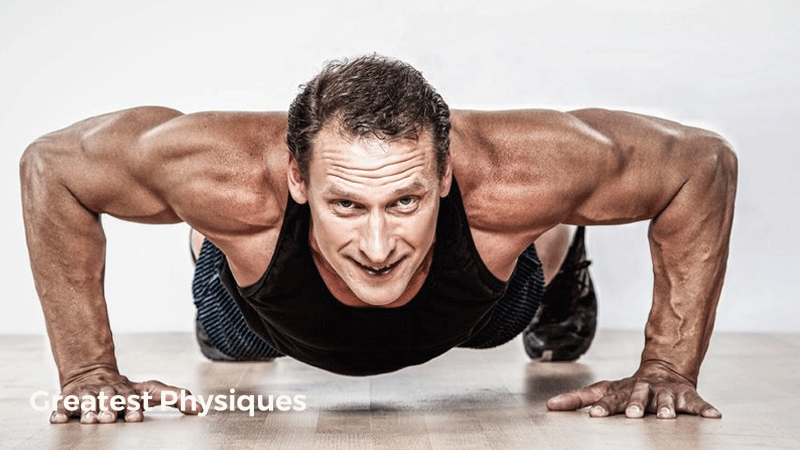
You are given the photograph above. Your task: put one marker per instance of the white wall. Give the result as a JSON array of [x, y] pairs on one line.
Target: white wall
[[728, 65]]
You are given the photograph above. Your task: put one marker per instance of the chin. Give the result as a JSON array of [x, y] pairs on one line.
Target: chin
[[379, 297], [378, 301]]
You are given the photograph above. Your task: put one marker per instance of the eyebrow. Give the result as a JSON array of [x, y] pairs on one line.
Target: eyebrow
[[417, 185]]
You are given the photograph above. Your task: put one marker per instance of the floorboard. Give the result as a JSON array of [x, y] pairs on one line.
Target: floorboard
[[466, 399]]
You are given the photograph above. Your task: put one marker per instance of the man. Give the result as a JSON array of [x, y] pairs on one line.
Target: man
[[389, 233]]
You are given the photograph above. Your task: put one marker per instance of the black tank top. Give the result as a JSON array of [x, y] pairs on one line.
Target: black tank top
[[291, 308]]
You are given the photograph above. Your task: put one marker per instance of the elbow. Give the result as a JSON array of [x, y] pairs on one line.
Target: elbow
[[726, 162], [29, 165], [30, 170], [720, 165], [36, 168], [731, 163]]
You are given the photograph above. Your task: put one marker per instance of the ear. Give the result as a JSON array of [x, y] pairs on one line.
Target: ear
[[297, 186], [447, 178]]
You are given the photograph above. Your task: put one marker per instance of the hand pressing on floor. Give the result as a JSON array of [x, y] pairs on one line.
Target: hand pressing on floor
[[103, 396], [652, 389]]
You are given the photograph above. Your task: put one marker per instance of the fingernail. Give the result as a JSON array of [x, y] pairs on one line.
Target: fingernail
[[597, 411], [58, 417], [634, 410], [106, 415]]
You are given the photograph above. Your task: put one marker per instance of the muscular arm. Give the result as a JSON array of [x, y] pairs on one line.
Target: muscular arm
[[604, 167], [220, 172], [689, 236], [688, 181], [69, 178]]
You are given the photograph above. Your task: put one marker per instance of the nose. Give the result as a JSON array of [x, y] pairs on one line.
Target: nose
[[376, 242]]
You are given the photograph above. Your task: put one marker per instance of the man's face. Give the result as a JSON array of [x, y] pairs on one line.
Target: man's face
[[374, 205]]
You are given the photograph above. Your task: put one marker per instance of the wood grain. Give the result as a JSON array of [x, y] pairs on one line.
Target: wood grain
[[466, 399]]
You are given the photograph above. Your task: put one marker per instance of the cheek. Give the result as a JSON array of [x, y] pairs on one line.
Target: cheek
[[334, 231], [421, 229]]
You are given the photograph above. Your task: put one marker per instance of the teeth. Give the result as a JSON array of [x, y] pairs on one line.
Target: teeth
[[377, 271]]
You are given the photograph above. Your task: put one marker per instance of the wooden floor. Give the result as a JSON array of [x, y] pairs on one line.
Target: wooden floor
[[465, 399]]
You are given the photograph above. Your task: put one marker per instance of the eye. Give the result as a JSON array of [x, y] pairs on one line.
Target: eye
[[407, 203], [343, 207], [344, 204]]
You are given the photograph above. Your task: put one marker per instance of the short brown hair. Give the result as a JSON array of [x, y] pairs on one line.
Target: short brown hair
[[370, 95]]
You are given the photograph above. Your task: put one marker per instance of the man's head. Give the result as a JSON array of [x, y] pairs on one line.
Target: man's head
[[372, 96], [369, 140]]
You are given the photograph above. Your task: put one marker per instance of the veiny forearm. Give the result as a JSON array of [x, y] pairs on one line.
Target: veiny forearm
[[68, 179], [66, 245], [689, 243]]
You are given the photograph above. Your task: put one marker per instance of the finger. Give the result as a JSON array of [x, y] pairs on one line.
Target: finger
[[133, 407], [178, 398], [88, 406], [640, 396], [612, 403], [665, 404], [691, 402], [580, 398], [61, 413], [104, 412], [88, 417]]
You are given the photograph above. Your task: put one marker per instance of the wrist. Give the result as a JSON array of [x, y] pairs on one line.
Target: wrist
[[96, 371], [660, 369]]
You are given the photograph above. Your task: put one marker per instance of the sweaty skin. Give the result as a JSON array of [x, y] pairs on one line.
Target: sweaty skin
[[521, 173]]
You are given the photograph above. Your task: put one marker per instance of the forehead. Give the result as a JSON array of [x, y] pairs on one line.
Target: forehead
[[370, 160]]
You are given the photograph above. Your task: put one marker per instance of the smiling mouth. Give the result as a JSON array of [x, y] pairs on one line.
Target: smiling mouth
[[378, 271]]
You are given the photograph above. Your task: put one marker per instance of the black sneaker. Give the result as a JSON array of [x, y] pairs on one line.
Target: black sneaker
[[564, 324]]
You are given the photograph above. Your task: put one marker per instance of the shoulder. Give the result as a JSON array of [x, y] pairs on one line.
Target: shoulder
[[526, 171], [522, 140], [519, 170], [220, 171], [228, 135]]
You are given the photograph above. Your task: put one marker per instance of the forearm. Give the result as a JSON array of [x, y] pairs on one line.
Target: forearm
[[689, 243], [66, 246]]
